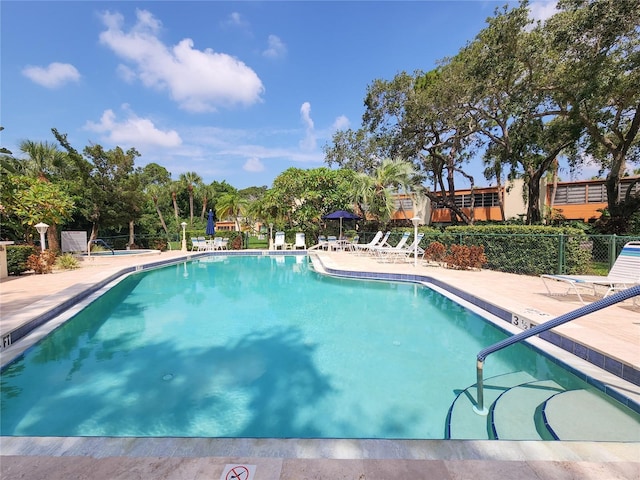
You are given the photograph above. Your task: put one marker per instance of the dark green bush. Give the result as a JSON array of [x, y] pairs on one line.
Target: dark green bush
[[17, 256]]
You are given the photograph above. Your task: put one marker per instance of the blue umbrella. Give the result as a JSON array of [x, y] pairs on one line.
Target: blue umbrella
[[211, 226], [340, 214]]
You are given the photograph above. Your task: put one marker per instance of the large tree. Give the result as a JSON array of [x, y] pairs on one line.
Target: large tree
[[31, 201], [300, 198], [155, 181], [105, 176], [594, 47]]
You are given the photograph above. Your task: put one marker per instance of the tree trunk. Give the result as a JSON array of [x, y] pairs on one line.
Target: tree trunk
[[94, 232], [132, 236], [52, 238], [164, 225], [174, 199], [533, 212], [191, 207]]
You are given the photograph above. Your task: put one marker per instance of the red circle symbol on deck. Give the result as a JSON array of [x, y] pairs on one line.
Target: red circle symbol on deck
[[238, 473]]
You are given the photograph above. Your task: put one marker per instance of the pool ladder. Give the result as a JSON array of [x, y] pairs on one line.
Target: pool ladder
[[567, 317]]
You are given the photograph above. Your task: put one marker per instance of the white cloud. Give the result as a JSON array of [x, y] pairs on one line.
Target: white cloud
[[541, 10], [53, 76], [253, 165], [340, 123], [276, 48], [198, 80], [309, 141], [236, 20], [133, 131]]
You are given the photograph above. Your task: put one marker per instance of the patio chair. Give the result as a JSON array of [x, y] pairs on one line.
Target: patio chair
[[279, 242], [217, 243], [198, 244], [383, 252], [332, 243], [349, 246], [624, 273], [322, 241], [300, 241]]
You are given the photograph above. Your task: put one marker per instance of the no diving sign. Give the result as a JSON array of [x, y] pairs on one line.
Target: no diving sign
[[238, 472]]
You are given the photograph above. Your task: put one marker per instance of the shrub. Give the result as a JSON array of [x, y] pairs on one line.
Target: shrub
[[477, 258], [17, 256], [465, 257], [67, 262], [435, 252], [158, 244], [42, 263]]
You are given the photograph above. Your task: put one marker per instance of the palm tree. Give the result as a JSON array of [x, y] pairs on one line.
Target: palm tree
[[376, 191], [190, 180], [231, 204], [44, 158]]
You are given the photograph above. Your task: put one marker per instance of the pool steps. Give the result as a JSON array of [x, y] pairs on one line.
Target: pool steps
[[523, 408]]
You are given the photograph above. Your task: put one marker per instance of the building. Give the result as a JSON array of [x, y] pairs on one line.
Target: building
[[577, 200], [582, 200]]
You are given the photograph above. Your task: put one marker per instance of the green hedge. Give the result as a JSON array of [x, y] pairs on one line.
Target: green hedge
[[17, 256]]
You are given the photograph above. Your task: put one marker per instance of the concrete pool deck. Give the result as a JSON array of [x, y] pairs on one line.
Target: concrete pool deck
[[614, 331]]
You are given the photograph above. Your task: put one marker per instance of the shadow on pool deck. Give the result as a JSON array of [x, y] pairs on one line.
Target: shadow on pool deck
[[613, 331]]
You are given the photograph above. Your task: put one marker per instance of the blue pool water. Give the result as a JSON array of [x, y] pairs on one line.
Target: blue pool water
[[255, 347]]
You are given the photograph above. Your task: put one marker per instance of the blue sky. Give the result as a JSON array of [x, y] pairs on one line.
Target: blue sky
[[235, 91]]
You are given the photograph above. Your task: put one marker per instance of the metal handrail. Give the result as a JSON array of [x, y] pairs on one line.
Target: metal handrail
[[98, 241], [567, 317]]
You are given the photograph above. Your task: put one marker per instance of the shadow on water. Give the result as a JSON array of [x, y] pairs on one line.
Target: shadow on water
[[260, 386]]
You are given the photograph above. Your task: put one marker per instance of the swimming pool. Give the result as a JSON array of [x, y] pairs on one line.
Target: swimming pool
[[256, 347]]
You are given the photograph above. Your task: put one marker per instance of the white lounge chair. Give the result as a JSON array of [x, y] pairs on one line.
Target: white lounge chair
[[383, 252], [279, 243], [361, 247], [624, 273], [300, 241], [382, 243], [407, 250]]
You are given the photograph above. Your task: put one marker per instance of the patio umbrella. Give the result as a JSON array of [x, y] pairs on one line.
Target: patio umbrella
[[211, 226], [341, 214]]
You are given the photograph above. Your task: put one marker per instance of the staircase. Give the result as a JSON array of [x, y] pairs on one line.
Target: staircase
[[521, 407]]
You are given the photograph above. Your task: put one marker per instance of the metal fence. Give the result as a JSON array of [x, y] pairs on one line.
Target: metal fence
[[533, 254]]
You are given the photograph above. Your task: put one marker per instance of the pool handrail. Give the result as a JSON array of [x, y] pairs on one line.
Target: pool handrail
[[99, 241], [567, 317]]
